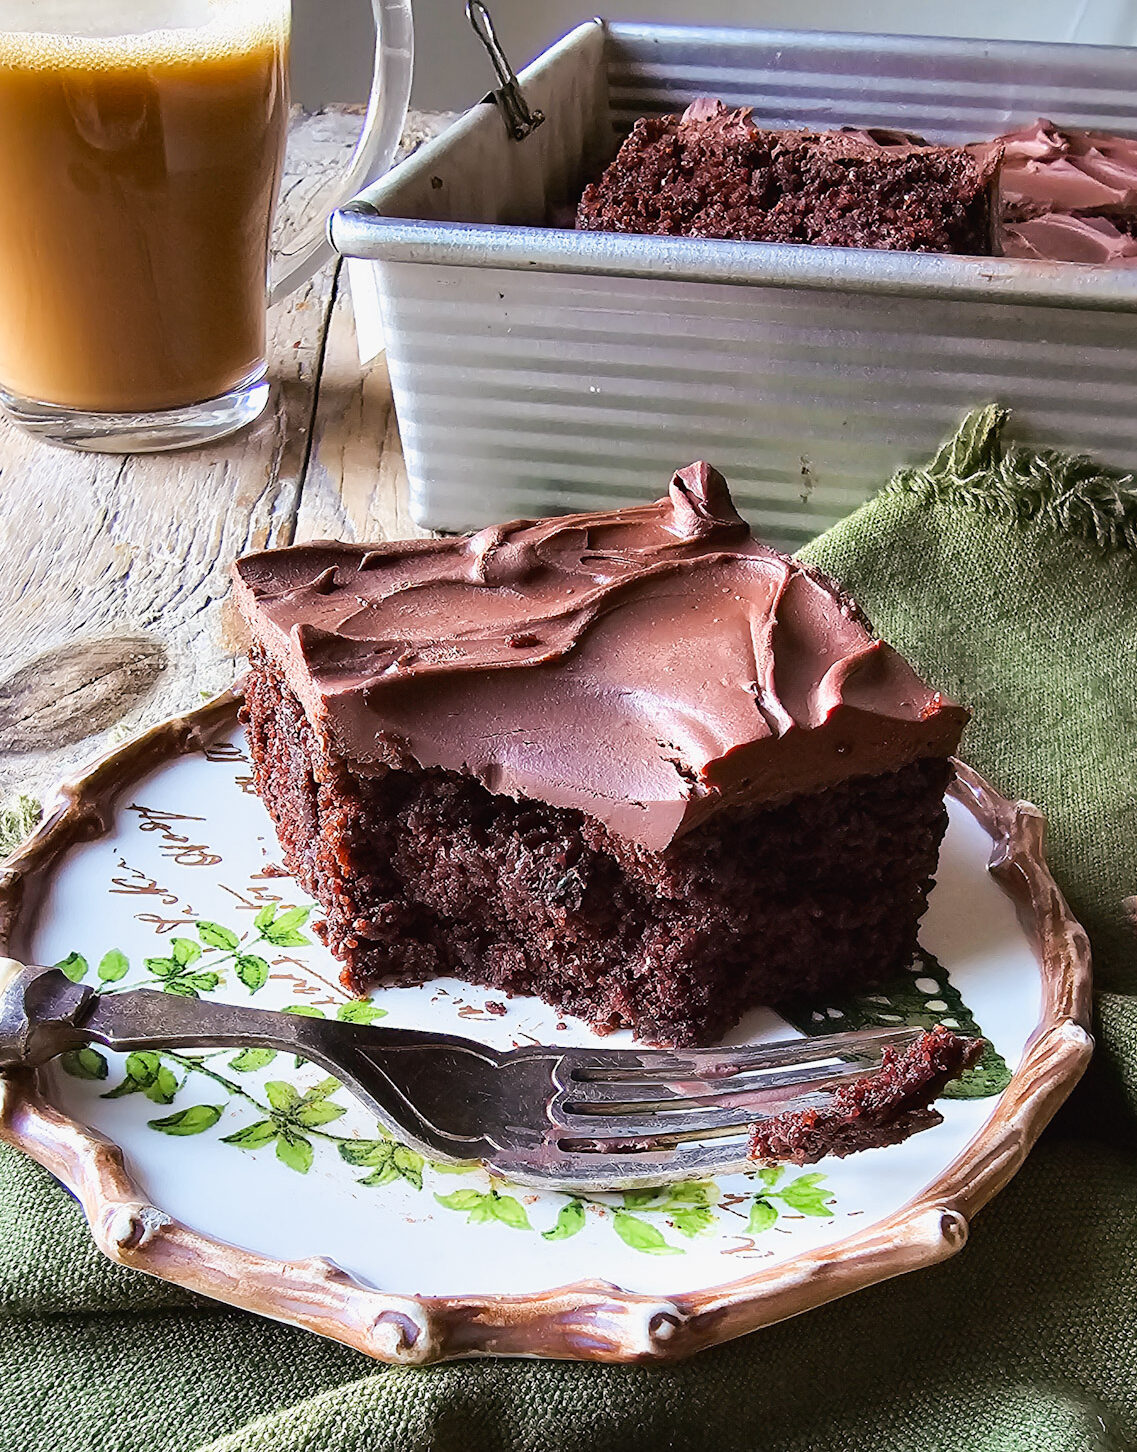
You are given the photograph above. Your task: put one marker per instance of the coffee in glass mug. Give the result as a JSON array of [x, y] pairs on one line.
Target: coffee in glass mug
[[141, 148]]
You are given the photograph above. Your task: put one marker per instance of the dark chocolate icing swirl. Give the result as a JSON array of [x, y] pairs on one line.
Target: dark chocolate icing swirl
[[1069, 195], [646, 665]]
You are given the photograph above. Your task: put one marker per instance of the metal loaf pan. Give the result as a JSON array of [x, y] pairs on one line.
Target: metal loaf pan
[[537, 369]]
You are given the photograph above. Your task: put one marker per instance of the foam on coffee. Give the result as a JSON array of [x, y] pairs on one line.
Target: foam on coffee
[[139, 168], [116, 33]]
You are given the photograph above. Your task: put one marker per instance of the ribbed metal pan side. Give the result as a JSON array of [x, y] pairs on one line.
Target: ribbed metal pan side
[[537, 370], [446, 203], [531, 394], [988, 280], [946, 89]]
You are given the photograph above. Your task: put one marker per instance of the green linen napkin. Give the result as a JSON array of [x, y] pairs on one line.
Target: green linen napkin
[[1010, 579]]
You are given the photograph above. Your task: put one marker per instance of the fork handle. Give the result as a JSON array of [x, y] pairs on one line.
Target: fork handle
[[43, 1014], [407, 1078]]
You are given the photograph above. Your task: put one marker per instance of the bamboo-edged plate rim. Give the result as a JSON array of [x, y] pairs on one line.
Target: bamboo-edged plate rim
[[588, 1320]]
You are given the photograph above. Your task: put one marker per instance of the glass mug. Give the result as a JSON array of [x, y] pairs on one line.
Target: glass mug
[[141, 148]]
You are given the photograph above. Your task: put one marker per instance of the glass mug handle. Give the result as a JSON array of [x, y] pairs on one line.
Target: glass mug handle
[[374, 151]]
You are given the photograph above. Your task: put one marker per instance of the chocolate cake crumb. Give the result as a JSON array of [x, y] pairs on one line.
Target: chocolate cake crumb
[[881, 1109]]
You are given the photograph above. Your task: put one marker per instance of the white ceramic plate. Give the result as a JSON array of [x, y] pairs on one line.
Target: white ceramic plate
[[253, 1178]]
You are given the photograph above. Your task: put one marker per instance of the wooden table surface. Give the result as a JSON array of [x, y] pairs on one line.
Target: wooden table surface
[[114, 570]]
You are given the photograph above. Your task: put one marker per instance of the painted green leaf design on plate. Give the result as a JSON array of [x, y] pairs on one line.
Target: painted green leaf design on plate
[[381, 1175], [359, 1011], [294, 1151], [146, 1074], [408, 1163], [163, 1087], [763, 1216], [281, 1095], [482, 1206], [462, 1199], [294, 1118], [570, 1222], [194, 1120], [217, 936], [85, 1063], [510, 1212], [142, 1068], [385, 1159], [641, 1235], [249, 1060], [637, 1199], [113, 966], [252, 971], [253, 1136], [288, 939], [188, 985], [693, 1192], [695, 1220], [312, 1115], [360, 1152], [74, 966], [807, 1196], [281, 931], [293, 917]]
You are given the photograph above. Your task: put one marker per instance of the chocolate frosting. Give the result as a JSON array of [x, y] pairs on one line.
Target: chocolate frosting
[[1049, 169], [1068, 195], [712, 117], [1062, 237], [647, 665]]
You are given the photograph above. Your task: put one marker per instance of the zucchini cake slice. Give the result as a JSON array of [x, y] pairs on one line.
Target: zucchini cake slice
[[634, 762]]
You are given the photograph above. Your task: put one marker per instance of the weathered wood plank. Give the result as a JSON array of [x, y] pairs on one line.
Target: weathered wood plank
[[64, 694], [356, 485], [97, 549]]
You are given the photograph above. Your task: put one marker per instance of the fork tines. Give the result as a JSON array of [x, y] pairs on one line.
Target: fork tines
[[642, 1100]]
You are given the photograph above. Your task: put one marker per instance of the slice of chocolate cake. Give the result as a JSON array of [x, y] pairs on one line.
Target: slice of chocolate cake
[[635, 763], [712, 172]]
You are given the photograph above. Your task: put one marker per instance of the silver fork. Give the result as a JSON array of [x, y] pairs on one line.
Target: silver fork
[[565, 1118]]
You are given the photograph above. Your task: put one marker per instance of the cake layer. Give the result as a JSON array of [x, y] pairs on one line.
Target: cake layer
[[712, 172], [650, 666], [421, 872]]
